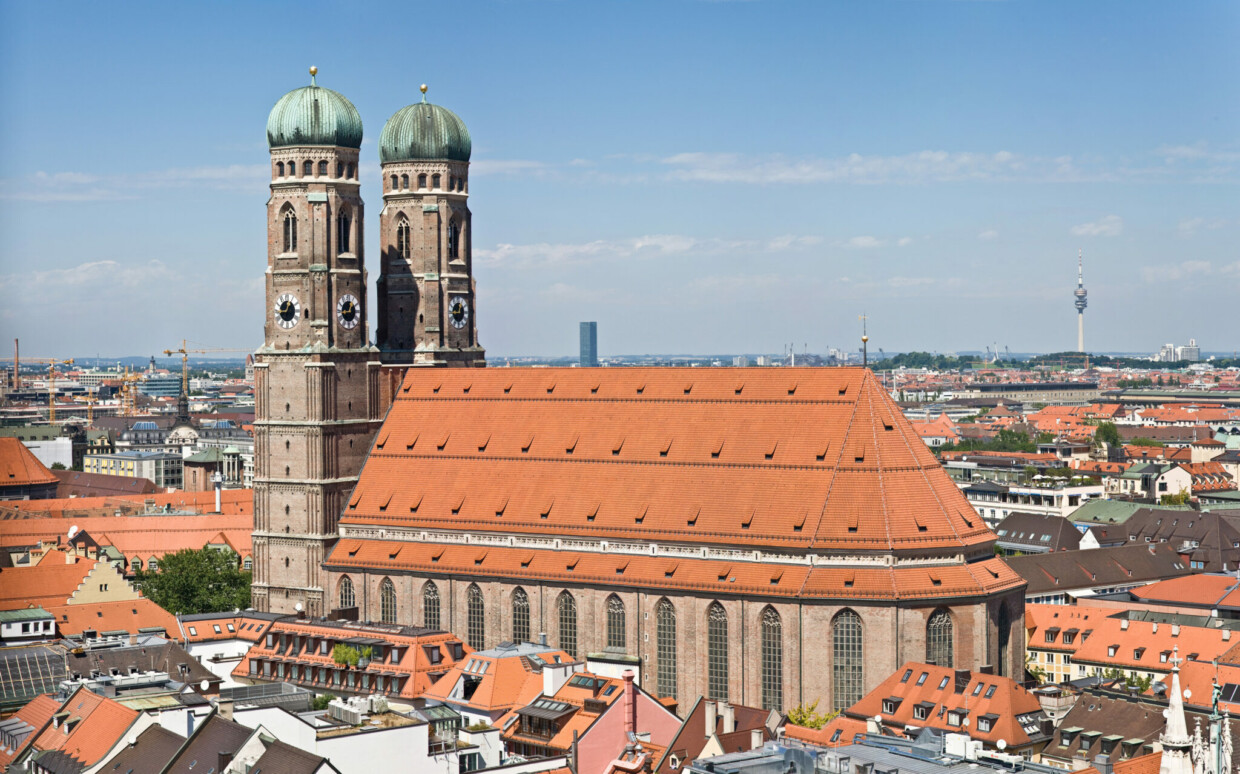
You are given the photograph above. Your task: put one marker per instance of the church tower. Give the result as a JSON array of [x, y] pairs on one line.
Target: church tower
[[316, 376], [426, 312]]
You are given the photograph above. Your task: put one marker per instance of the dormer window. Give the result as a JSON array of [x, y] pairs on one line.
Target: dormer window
[[922, 710]]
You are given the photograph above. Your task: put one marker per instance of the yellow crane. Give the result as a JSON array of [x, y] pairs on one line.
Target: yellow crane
[[184, 351], [129, 396], [52, 362]]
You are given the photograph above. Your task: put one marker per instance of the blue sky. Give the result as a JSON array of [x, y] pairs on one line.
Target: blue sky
[[696, 176]]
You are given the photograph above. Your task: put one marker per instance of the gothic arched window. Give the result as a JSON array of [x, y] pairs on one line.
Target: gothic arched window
[[306, 169], [665, 639], [1005, 638], [454, 240], [387, 601], [939, 639], [395, 182], [322, 169], [772, 660], [847, 653], [421, 181], [339, 169], [344, 224], [520, 616], [279, 169], [347, 596], [716, 653], [568, 623], [475, 618], [403, 245], [435, 182], [290, 230], [430, 605], [615, 623], [404, 182]]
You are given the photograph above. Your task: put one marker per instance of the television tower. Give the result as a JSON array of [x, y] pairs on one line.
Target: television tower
[[1081, 303]]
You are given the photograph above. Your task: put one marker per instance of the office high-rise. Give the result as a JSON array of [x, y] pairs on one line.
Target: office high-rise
[[589, 344]]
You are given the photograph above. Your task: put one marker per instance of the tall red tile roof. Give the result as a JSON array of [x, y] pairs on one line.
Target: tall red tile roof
[[89, 726], [48, 584], [126, 615], [36, 713], [139, 537], [785, 458], [19, 467], [232, 501]]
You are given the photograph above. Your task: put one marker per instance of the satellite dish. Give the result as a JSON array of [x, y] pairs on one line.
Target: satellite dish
[[1002, 744], [204, 685], [1188, 693], [73, 531], [878, 718], [297, 607], [1166, 713]]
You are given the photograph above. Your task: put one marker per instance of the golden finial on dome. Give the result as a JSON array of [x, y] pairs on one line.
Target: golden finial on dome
[[313, 72], [422, 88]]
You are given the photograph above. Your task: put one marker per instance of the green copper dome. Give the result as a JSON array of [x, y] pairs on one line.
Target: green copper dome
[[424, 132], [313, 115]]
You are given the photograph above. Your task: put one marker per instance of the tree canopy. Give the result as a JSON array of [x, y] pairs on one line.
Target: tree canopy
[[207, 580], [1006, 440], [1107, 433]]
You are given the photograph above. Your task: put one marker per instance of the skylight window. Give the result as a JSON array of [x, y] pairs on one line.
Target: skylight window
[[922, 679]]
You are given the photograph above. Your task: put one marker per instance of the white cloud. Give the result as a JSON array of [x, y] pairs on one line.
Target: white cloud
[[1189, 227], [506, 167], [988, 235], [864, 243], [1107, 226], [904, 241], [646, 246], [1173, 272], [910, 282], [920, 167]]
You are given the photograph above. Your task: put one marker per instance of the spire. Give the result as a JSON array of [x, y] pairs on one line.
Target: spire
[[423, 90], [1176, 742], [313, 72], [1080, 273]]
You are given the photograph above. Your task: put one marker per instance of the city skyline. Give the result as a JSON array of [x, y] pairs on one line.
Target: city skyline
[[936, 162]]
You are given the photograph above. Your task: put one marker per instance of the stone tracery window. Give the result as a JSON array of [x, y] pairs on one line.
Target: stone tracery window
[[520, 615], [454, 240], [347, 595], [387, 601], [847, 657], [403, 245], [290, 229], [475, 618], [1005, 638], [615, 623], [344, 223], [717, 653], [430, 605], [568, 623], [939, 639], [665, 637], [772, 660]]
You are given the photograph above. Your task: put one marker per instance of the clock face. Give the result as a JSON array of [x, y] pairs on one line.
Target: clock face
[[348, 312], [288, 310], [458, 312]]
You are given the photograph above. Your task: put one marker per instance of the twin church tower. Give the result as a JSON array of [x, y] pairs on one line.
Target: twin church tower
[[321, 387]]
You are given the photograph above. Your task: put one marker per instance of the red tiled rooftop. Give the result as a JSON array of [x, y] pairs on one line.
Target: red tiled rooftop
[[790, 458], [19, 467]]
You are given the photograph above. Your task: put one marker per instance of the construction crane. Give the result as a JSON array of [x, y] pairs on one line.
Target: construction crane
[[51, 382], [129, 397], [184, 352]]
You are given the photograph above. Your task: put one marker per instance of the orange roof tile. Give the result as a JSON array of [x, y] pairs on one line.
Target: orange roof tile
[[509, 681], [839, 731], [91, 726], [782, 458], [50, 583], [232, 501], [36, 713], [1198, 589], [1043, 621], [1145, 645], [139, 537], [128, 615], [19, 467]]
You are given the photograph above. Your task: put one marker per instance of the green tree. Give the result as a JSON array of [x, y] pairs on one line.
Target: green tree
[[207, 580], [321, 701], [58, 466], [1108, 433], [1181, 498], [1145, 442], [808, 716]]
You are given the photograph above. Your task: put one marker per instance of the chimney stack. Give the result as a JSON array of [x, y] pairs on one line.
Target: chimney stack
[[224, 708], [729, 718], [755, 739], [709, 722], [630, 704]]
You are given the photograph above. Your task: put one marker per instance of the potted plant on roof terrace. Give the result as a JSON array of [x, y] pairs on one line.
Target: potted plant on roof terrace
[[364, 656], [345, 655]]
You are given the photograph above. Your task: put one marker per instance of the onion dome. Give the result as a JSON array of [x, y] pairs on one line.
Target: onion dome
[[424, 132], [313, 115]]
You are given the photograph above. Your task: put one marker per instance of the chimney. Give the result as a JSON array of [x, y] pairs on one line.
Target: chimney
[[962, 680], [755, 738], [630, 704], [542, 639], [1226, 635], [709, 722], [554, 676], [1155, 627], [1175, 630], [729, 718], [1103, 764], [224, 708], [1123, 625]]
